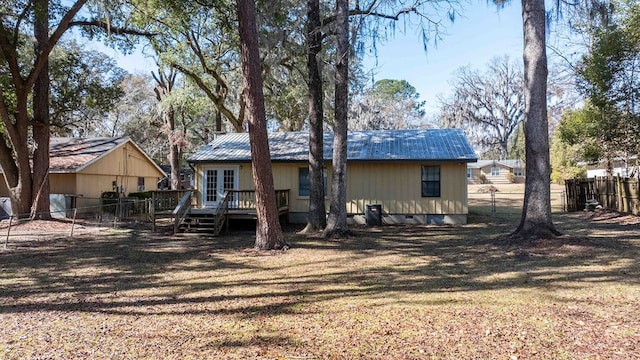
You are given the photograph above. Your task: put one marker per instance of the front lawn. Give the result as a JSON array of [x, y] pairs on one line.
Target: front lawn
[[458, 292]]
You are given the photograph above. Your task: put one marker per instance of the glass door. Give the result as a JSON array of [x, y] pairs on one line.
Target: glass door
[[216, 181]]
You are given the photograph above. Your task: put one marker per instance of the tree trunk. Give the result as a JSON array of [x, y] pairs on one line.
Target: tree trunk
[[317, 212], [41, 128], [337, 221], [175, 156], [18, 172], [536, 212], [268, 231], [15, 160], [164, 87]]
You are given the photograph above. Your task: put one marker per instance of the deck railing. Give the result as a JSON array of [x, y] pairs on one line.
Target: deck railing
[[164, 200], [246, 199], [181, 210]]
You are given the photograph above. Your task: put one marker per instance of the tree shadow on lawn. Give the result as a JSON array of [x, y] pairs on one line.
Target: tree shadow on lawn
[[90, 274]]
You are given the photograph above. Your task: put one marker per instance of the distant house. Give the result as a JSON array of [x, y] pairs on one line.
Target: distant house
[[81, 169], [623, 167], [415, 176], [496, 172], [186, 178]]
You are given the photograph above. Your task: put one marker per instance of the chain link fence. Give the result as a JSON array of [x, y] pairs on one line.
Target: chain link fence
[[84, 216], [491, 201]]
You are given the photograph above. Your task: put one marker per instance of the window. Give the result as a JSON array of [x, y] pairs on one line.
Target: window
[[495, 171], [304, 184], [469, 173], [140, 184], [211, 185], [517, 171], [431, 181]]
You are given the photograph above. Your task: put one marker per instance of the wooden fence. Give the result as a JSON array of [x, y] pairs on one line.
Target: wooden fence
[[613, 193]]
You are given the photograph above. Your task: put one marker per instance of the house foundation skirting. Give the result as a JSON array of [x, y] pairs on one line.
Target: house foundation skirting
[[396, 219]]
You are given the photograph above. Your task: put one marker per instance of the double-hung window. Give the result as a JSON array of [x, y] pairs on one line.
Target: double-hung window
[[431, 181], [304, 183]]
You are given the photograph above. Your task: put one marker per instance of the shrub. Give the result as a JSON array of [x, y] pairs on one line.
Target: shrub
[[483, 178], [510, 177]]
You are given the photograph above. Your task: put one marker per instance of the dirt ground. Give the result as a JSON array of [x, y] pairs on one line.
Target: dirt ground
[[393, 292]]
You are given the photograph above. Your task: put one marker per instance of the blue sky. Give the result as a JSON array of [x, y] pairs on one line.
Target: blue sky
[[481, 33]]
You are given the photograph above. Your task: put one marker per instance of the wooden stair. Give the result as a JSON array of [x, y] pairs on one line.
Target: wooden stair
[[203, 223], [237, 204], [209, 221]]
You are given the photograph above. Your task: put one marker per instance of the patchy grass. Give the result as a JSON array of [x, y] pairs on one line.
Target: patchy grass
[[418, 292]]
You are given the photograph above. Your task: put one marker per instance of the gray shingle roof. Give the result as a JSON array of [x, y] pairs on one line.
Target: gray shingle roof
[[507, 163], [68, 154], [381, 145]]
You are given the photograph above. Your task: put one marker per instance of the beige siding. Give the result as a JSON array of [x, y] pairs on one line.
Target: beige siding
[[89, 185], [285, 178], [501, 178], [396, 186], [124, 161], [124, 165], [63, 183]]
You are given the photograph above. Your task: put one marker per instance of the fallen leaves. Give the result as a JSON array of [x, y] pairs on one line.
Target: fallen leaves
[[397, 293]]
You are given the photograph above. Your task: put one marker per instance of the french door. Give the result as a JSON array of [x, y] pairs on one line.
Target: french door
[[217, 180]]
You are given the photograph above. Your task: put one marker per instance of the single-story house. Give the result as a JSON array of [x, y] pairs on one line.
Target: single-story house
[[415, 176], [81, 169], [496, 172], [621, 166]]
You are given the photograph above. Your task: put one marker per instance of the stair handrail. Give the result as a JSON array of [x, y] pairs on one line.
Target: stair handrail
[[221, 211], [181, 210]]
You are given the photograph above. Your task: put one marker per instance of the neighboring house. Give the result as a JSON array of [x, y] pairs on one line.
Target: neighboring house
[[496, 172], [623, 167], [186, 178], [81, 169], [417, 176]]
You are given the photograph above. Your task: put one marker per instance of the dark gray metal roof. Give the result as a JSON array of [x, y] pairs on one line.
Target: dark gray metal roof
[[514, 163], [373, 145]]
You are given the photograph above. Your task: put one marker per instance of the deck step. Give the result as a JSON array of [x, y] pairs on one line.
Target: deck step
[[201, 222]]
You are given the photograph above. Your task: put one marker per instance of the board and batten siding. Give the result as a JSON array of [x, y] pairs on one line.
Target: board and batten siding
[[395, 186], [124, 165], [285, 178], [62, 183]]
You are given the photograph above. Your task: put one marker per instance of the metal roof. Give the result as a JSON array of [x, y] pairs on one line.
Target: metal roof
[[373, 145]]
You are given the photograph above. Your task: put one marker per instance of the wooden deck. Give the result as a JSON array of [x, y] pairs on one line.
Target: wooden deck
[[237, 204]]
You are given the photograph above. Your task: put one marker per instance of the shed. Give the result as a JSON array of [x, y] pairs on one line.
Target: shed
[[81, 169]]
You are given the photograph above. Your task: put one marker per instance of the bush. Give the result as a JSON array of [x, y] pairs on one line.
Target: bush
[[483, 178], [560, 174], [510, 177]]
